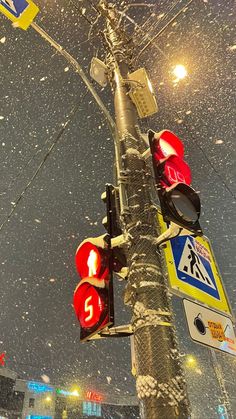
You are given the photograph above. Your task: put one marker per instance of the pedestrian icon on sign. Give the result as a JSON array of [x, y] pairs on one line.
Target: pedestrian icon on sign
[[195, 265], [192, 267]]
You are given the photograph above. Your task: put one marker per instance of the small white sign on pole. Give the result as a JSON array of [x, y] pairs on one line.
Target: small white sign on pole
[[210, 328]]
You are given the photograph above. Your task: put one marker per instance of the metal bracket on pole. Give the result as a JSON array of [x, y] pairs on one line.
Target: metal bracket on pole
[[173, 231], [114, 332], [119, 240], [146, 154]]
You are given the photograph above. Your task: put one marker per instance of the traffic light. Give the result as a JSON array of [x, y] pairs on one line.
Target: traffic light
[[179, 202], [96, 259], [93, 297], [112, 224]]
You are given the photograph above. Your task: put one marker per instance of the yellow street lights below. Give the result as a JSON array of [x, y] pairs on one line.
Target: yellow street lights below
[[48, 399], [180, 71], [75, 391], [190, 361]]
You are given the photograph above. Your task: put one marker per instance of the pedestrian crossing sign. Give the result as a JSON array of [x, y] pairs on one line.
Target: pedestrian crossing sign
[[192, 270], [20, 12]]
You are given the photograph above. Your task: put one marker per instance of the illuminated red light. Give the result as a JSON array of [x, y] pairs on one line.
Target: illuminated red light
[[168, 153], [88, 260], [2, 359], [166, 145], [88, 305], [175, 171]]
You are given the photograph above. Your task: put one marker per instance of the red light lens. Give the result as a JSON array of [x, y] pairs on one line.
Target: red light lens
[[88, 305], [88, 260], [176, 170], [168, 144]]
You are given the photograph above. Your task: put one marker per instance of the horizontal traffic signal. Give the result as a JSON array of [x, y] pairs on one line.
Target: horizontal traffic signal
[[179, 202]]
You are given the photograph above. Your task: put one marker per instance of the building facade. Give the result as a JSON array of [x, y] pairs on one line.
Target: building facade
[[21, 399]]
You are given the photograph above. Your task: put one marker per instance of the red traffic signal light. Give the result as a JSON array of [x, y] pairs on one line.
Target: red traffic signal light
[[92, 261], [2, 359], [168, 153], [179, 202], [93, 297]]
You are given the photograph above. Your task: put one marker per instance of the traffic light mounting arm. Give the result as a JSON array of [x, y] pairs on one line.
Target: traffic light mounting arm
[[173, 231], [100, 241], [114, 332]]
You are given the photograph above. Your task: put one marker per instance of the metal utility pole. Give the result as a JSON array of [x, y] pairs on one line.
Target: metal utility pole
[[221, 381], [160, 382]]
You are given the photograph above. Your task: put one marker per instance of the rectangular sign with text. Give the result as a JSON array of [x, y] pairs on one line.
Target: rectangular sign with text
[[210, 328]]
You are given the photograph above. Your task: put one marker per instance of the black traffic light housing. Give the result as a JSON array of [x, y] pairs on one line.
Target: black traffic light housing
[[113, 226], [179, 202], [96, 260], [93, 297]]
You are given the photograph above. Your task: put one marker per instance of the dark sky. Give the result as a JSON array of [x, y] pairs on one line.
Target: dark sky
[[62, 204]]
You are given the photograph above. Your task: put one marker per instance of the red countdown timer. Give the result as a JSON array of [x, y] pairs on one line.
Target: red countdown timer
[[88, 305], [168, 153], [91, 297]]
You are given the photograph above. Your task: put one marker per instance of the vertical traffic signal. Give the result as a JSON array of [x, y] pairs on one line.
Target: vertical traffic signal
[[96, 259], [93, 297], [111, 222], [113, 226], [179, 202]]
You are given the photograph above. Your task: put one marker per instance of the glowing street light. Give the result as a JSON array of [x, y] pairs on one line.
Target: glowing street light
[[180, 71], [191, 361], [75, 391]]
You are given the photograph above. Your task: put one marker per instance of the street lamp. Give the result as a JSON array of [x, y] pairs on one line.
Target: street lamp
[[75, 393], [180, 71], [191, 361]]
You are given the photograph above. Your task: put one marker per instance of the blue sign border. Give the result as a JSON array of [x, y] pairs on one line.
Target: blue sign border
[[20, 6]]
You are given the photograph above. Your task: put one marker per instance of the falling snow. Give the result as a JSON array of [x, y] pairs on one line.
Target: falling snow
[[48, 212]]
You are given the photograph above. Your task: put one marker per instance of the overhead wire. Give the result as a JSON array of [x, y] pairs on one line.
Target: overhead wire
[[210, 163], [43, 161], [160, 21], [80, 12], [162, 30], [195, 141], [75, 108]]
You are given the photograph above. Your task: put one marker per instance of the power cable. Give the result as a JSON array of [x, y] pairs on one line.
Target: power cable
[[80, 12], [58, 137], [19, 174], [163, 18], [162, 30], [209, 162], [151, 41]]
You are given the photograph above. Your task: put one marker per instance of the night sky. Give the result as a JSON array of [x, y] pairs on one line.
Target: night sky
[[61, 205]]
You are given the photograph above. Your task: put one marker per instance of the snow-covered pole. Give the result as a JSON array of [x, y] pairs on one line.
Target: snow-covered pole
[[160, 382]]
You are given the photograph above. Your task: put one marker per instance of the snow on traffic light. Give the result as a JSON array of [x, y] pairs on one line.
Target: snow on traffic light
[[179, 202], [93, 297]]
